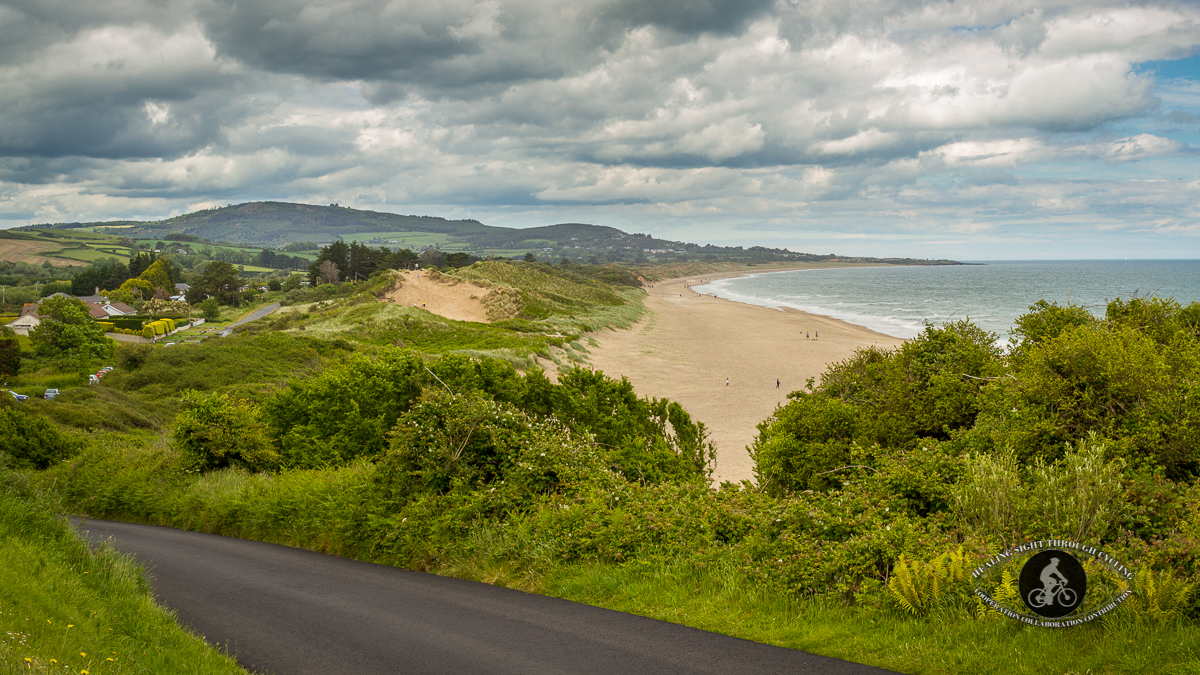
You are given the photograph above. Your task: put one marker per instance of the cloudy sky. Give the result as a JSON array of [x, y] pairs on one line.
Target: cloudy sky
[[969, 129]]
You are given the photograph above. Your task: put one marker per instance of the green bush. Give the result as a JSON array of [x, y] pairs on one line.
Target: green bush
[[467, 442], [805, 444], [131, 356], [32, 442], [210, 309], [129, 322], [215, 431], [10, 353], [344, 413], [1081, 497]]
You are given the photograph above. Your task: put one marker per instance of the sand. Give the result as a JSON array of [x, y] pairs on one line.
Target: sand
[[447, 297], [687, 346]]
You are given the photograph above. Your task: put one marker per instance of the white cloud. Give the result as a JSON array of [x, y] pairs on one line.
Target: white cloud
[[961, 116]]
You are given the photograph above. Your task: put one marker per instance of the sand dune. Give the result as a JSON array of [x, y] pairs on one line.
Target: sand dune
[[446, 296], [687, 346]]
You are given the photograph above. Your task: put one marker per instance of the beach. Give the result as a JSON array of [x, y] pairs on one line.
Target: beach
[[721, 359]]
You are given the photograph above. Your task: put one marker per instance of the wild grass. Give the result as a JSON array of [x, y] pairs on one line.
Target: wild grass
[[249, 363], [718, 598], [67, 608]]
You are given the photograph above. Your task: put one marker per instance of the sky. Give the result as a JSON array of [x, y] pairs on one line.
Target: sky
[[972, 130]]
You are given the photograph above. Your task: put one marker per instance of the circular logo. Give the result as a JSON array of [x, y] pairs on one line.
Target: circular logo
[[1052, 583]]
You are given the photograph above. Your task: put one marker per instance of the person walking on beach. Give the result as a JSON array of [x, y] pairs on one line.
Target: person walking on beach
[[777, 383], [806, 336], [816, 335], [727, 382]]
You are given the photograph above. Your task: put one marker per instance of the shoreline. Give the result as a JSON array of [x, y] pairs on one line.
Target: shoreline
[[779, 306], [722, 359]]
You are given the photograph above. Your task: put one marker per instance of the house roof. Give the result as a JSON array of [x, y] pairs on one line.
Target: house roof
[[97, 310], [90, 298], [29, 309], [122, 308], [25, 320], [182, 287]]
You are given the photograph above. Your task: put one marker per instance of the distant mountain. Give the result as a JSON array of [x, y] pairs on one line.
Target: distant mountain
[[276, 224]]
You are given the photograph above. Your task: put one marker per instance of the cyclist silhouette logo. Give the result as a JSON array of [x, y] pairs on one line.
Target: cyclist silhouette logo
[[1052, 583]]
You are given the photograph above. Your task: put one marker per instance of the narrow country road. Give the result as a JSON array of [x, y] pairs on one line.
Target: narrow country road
[[258, 314], [292, 612]]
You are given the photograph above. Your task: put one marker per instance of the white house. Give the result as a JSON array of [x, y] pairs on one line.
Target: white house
[[25, 323]]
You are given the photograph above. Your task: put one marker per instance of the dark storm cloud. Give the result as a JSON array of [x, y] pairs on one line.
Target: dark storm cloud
[[690, 17], [370, 40]]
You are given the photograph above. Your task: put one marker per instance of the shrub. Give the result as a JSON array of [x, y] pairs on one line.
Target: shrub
[[32, 442], [1080, 497], [133, 356], [210, 309], [804, 443], [467, 442], [345, 412], [214, 431], [10, 353]]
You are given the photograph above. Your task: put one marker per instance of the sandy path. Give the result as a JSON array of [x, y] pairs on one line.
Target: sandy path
[[687, 347]]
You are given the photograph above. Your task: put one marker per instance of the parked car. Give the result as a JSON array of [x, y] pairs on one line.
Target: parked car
[[19, 397], [50, 393], [107, 369], [92, 379], [101, 373]]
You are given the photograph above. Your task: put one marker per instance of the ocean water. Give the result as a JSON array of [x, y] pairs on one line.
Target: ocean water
[[899, 301]]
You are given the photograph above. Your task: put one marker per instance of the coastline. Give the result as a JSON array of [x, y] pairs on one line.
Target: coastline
[[688, 344]]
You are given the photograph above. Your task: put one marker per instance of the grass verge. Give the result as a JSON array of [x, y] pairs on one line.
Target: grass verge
[[718, 599], [66, 608]]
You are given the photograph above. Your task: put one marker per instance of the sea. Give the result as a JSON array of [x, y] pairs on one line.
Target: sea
[[901, 300]]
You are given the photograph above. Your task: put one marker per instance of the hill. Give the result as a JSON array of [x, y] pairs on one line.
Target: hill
[[277, 224]]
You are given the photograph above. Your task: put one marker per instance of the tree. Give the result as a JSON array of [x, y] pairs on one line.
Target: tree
[[159, 306], [211, 309], [432, 258], [529, 257], [292, 282], [220, 280], [327, 272], [10, 353], [159, 276], [402, 259], [458, 259], [337, 253], [133, 288], [214, 431], [140, 262], [67, 328], [107, 274]]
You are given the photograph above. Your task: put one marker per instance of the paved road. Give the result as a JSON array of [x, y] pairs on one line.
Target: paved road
[[292, 612], [258, 314]]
